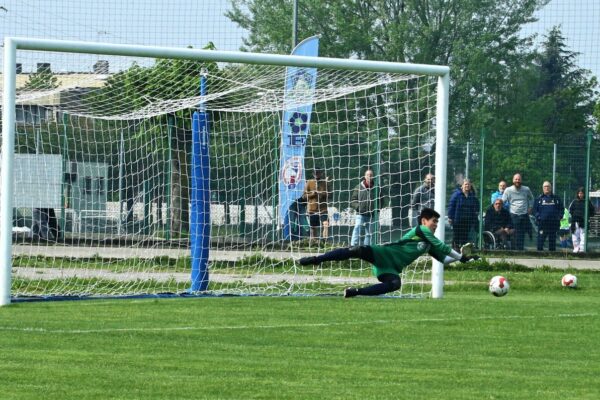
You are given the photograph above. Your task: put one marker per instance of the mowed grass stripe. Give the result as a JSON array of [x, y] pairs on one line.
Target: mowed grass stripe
[[468, 345], [287, 326]]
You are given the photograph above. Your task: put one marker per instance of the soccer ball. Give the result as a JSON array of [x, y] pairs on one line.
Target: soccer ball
[[569, 281], [499, 286]]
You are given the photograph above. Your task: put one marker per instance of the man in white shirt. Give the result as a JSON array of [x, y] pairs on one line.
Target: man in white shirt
[[521, 204]]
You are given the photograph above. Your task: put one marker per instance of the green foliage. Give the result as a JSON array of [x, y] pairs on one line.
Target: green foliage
[[44, 79], [501, 81], [138, 86], [562, 96], [552, 104], [480, 40], [130, 91]]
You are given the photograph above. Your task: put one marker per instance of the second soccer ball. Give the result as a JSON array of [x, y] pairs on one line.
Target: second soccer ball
[[569, 280]]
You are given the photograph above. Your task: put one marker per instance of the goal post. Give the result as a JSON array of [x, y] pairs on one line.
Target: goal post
[[6, 177], [355, 97]]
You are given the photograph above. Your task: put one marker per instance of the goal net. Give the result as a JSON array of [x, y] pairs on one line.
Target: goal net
[[145, 175]]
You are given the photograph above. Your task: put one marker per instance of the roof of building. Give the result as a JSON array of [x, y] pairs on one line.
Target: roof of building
[[66, 82]]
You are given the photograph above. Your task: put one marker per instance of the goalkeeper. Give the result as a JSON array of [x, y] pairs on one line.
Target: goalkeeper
[[390, 259]]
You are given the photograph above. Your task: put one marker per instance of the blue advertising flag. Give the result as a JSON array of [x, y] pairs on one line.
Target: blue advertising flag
[[299, 93]]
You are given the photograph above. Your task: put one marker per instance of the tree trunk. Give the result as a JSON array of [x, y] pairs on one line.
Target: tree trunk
[[180, 182]]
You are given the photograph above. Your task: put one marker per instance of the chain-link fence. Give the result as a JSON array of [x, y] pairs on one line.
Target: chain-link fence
[[567, 163]]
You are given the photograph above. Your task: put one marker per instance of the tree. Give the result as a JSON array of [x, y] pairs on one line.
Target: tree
[[479, 39], [135, 88], [568, 92], [552, 102], [43, 79]]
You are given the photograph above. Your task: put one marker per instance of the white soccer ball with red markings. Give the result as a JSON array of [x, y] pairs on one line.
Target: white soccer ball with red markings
[[499, 286], [569, 280]]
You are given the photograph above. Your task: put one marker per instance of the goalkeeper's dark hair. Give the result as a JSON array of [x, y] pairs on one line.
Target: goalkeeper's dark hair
[[428, 213]]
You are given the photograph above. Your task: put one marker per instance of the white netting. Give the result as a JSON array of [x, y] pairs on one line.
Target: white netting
[[111, 218]]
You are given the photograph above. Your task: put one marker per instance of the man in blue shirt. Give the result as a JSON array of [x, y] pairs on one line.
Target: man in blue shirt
[[548, 210]]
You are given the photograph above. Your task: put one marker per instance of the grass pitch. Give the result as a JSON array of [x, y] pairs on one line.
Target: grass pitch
[[538, 342]]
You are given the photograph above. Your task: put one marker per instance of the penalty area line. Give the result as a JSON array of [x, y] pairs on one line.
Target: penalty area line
[[286, 326]]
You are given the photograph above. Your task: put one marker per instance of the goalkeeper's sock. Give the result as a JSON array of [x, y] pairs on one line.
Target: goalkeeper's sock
[[312, 260], [388, 283], [378, 288]]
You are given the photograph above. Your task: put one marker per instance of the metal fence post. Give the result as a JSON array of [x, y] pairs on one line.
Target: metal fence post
[[588, 159], [481, 180]]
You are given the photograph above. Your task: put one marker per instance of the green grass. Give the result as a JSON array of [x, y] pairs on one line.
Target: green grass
[[539, 342]]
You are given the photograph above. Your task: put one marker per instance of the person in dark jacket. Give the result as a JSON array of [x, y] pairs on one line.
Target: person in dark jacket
[[364, 202], [498, 221], [577, 211], [297, 217], [548, 209], [463, 210], [423, 197]]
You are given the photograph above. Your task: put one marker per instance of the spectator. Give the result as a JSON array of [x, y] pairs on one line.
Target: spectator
[[521, 203], [498, 221], [297, 218], [565, 230], [364, 202], [547, 210], [423, 197], [45, 224], [498, 194], [463, 210], [577, 211], [315, 194]]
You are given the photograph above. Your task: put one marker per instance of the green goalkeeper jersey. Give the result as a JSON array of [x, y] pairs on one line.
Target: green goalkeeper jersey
[[393, 257]]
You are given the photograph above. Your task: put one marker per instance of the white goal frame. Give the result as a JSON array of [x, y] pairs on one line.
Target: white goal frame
[[12, 44]]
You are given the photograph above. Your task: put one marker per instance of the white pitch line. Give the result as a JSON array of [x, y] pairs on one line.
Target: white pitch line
[[285, 326]]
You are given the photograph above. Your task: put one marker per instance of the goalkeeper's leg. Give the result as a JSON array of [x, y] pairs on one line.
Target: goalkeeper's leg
[[389, 283], [345, 253]]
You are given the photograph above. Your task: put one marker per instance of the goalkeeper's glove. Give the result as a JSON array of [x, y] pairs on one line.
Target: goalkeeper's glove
[[465, 258]]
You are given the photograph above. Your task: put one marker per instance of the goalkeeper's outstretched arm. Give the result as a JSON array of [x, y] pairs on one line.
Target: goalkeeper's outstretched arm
[[452, 257], [456, 256]]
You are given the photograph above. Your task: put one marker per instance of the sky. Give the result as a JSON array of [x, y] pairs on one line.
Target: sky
[[580, 24], [176, 23], [196, 22]]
